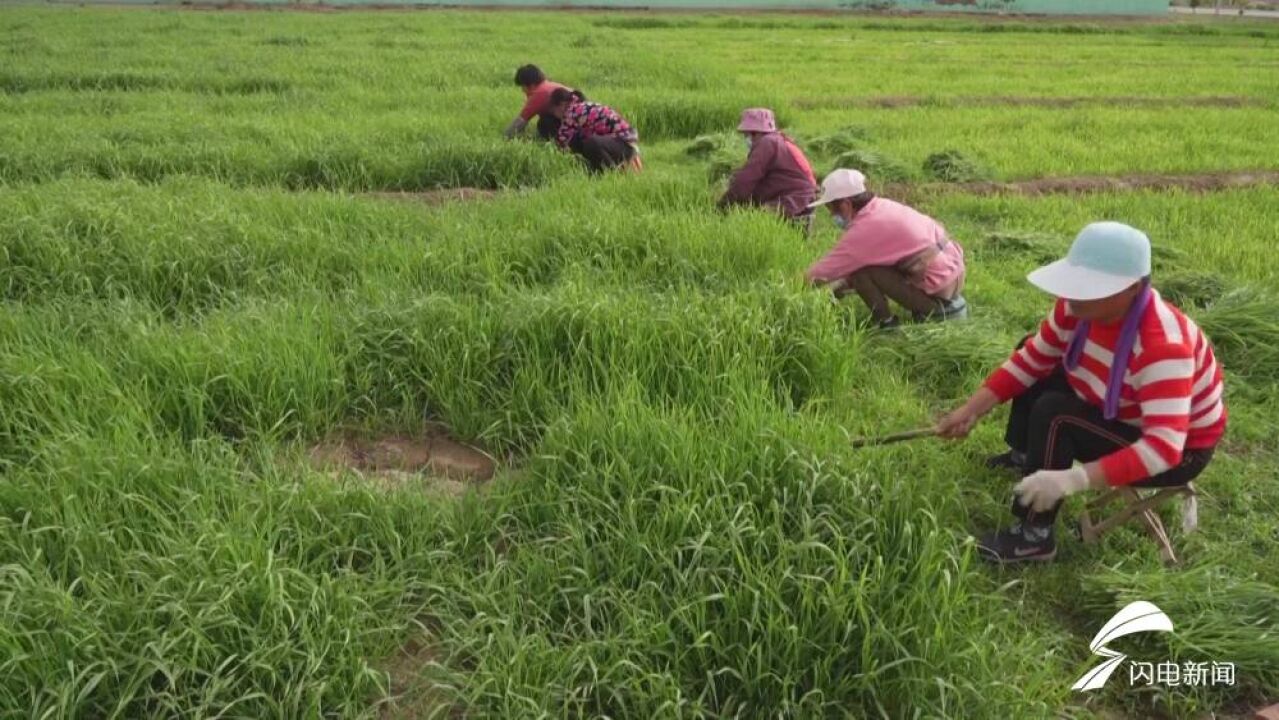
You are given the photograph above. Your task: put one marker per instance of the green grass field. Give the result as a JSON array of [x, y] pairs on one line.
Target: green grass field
[[199, 286]]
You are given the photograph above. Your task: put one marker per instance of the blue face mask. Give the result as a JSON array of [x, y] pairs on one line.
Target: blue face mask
[[839, 221], [748, 142]]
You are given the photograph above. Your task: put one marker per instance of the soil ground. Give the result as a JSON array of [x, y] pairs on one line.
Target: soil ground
[[433, 462]]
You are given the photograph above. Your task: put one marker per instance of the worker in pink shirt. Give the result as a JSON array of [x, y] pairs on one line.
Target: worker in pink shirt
[[537, 92], [889, 251]]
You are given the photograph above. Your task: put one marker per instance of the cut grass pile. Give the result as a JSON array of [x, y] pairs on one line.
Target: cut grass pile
[[199, 287], [872, 164], [1192, 289], [953, 166], [1245, 325]]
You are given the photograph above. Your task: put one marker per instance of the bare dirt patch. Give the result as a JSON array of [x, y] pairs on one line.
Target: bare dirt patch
[[244, 6], [1198, 182], [411, 693], [437, 197], [905, 101], [431, 462]]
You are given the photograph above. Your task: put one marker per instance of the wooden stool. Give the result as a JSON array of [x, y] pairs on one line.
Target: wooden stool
[[1135, 504]]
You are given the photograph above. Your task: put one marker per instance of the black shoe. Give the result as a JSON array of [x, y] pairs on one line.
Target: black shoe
[[1011, 460], [1014, 546], [889, 324]]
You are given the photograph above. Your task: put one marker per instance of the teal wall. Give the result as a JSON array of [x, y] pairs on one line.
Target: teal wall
[[1050, 7], [1053, 7]]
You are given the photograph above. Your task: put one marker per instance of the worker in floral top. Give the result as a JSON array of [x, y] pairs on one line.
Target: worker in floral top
[[596, 132], [1117, 380]]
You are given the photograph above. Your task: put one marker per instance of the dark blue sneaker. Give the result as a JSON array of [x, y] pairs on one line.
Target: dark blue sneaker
[[1016, 545]]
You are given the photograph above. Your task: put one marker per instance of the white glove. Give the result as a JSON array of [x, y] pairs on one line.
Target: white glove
[[1043, 489]]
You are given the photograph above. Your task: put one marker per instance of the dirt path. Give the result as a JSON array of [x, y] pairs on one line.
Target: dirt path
[[1226, 13], [906, 101], [637, 8], [435, 197], [412, 694], [1198, 182]]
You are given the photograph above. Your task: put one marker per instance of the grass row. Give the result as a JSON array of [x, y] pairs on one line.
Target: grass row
[[101, 239], [350, 102], [399, 153]]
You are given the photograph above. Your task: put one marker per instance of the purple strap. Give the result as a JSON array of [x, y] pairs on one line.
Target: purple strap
[[1123, 348]]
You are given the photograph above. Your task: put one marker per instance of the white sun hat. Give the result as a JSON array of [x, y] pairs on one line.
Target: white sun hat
[[840, 184], [1105, 259]]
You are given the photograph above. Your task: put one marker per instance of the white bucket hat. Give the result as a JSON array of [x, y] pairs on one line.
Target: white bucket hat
[[840, 184], [1105, 259]]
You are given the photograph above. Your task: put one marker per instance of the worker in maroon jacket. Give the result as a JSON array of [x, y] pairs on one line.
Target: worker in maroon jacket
[[776, 174]]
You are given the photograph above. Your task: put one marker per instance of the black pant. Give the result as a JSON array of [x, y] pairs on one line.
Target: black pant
[[1054, 428], [604, 151], [548, 126]]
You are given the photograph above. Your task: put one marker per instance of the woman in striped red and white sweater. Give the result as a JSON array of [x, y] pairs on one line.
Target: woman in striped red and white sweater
[[1116, 378]]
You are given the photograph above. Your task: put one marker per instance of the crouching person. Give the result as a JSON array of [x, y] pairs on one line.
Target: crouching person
[[596, 132], [776, 174], [1116, 379], [889, 251], [537, 93]]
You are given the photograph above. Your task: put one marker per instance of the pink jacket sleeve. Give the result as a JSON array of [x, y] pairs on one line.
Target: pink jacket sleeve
[[842, 260]]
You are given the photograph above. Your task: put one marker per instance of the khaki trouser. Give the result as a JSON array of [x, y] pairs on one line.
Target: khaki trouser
[[877, 284]]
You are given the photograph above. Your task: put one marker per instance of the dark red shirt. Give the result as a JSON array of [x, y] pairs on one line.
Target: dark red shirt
[[776, 174], [538, 98]]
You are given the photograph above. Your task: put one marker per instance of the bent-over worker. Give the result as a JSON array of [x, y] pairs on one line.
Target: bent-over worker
[[889, 251], [537, 93], [1116, 378], [776, 174], [596, 132]]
